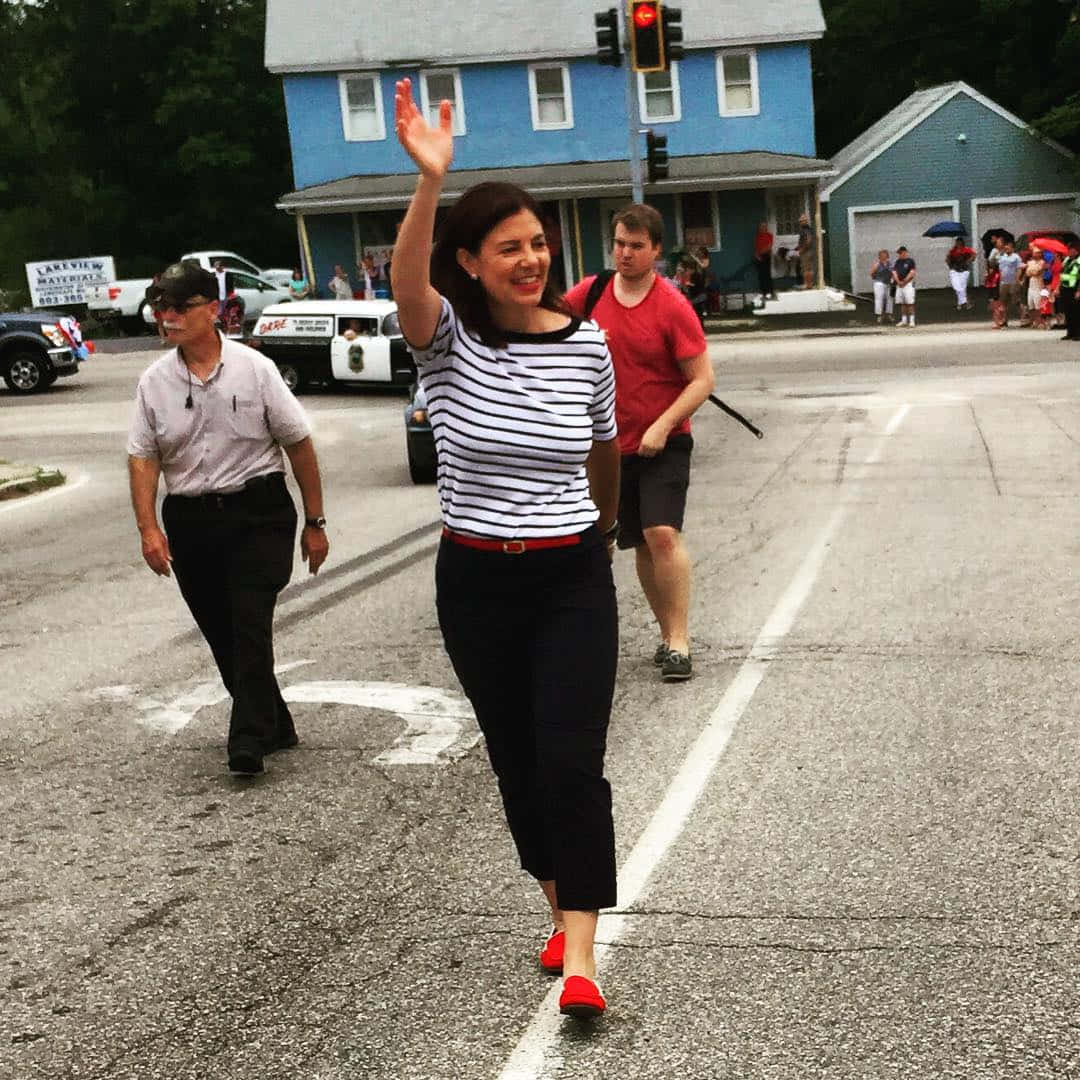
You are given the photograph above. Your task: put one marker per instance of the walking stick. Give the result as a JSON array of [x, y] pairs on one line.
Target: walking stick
[[737, 416]]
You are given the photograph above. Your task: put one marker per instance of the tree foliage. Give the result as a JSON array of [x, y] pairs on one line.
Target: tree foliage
[[139, 129], [1023, 54]]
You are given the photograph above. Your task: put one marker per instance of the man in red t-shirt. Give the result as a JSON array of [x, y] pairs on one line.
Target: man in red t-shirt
[[662, 376]]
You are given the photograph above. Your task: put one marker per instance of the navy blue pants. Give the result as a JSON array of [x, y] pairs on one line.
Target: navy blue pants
[[534, 641], [232, 555]]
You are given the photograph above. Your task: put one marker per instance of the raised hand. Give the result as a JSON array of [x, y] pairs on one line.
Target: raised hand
[[431, 148]]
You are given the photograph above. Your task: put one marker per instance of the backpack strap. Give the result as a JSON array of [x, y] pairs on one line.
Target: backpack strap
[[596, 290]]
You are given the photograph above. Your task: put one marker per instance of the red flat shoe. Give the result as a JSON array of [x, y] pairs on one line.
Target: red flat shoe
[[581, 997], [551, 955]]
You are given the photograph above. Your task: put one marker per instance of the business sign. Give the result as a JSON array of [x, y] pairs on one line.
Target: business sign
[[295, 326], [62, 281]]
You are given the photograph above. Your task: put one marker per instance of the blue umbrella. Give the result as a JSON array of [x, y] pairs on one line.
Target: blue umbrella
[[946, 228]]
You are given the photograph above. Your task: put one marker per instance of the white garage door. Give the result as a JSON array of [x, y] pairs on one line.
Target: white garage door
[[1020, 217], [873, 230]]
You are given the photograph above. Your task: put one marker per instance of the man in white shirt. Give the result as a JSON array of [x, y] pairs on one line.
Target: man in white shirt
[[211, 417]]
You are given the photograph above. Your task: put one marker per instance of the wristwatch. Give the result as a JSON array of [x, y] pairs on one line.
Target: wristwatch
[[315, 522], [612, 531]]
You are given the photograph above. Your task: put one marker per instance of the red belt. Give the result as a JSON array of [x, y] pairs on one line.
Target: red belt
[[511, 547]]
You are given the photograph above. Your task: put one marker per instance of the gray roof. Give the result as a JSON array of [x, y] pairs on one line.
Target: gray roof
[[328, 35], [890, 125], [757, 168], [911, 112]]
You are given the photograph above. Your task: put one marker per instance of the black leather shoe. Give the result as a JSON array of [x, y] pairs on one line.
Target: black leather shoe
[[245, 763]]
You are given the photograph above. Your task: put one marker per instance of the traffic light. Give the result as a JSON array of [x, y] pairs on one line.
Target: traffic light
[[671, 27], [656, 156], [646, 44], [607, 37]]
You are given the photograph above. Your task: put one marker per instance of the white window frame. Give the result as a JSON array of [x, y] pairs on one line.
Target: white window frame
[[676, 98], [459, 101], [534, 98], [346, 115], [774, 223], [721, 85], [714, 207]]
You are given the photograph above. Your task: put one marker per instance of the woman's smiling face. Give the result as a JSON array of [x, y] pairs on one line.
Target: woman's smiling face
[[512, 263]]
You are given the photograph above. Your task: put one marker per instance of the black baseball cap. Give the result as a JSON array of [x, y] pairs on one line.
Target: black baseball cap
[[180, 283], [900, 248]]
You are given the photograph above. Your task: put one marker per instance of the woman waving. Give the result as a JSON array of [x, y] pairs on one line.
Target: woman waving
[[521, 401]]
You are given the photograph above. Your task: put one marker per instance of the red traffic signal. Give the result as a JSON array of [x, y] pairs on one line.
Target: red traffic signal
[[646, 40], [645, 14]]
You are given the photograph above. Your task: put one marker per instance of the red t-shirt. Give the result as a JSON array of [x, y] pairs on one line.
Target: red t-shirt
[[647, 342], [763, 242]]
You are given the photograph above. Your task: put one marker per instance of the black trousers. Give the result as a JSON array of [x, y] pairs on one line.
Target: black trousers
[[764, 275], [232, 555], [1071, 307], [534, 641]]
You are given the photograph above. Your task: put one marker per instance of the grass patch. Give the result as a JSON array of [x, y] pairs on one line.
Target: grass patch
[[41, 479]]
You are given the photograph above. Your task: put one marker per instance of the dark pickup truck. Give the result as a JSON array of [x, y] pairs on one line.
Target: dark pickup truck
[[37, 348]]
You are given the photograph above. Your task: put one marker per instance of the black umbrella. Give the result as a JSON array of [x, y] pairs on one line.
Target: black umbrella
[[990, 235]]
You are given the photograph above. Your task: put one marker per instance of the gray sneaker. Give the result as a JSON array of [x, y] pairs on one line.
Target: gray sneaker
[[676, 667], [661, 653]]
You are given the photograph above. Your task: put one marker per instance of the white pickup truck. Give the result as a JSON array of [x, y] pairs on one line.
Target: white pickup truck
[[125, 301]]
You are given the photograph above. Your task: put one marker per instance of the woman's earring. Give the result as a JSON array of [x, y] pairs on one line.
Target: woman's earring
[[475, 277]]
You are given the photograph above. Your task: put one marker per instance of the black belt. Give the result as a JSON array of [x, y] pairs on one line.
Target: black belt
[[253, 486]]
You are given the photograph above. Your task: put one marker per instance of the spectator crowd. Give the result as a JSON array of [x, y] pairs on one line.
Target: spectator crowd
[[1038, 285]]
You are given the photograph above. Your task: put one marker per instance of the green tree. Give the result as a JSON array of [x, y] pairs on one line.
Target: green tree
[[1023, 54], [140, 129]]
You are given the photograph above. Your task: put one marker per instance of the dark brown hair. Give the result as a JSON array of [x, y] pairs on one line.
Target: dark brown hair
[[466, 224], [639, 217]]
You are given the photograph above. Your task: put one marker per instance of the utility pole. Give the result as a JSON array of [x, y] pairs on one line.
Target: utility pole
[[633, 117]]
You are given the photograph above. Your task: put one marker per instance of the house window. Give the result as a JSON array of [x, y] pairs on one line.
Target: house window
[[549, 96], [658, 95], [700, 221], [361, 107], [788, 207], [737, 82], [442, 84]]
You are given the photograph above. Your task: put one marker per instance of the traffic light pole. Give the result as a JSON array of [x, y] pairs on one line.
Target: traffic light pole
[[637, 186]]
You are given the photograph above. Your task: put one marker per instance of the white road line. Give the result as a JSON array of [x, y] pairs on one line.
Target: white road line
[[43, 496], [537, 1044]]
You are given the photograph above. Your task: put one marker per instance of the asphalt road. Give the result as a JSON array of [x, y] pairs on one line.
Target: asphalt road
[[848, 847]]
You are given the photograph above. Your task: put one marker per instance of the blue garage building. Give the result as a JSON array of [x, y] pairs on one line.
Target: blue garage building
[[946, 152]]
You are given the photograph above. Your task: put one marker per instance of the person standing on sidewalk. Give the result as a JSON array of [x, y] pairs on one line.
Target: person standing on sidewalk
[[904, 278], [1009, 267], [881, 276], [763, 253], [212, 417], [662, 376], [959, 259], [521, 398], [1070, 292], [807, 252]]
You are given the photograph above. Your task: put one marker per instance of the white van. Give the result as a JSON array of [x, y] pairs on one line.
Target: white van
[[328, 341]]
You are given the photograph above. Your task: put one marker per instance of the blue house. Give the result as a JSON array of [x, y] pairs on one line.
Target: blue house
[[533, 106]]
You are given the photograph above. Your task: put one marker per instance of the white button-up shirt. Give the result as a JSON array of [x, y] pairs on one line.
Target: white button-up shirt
[[241, 416]]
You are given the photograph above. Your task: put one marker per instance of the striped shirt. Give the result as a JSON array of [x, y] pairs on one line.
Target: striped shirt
[[514, 426]]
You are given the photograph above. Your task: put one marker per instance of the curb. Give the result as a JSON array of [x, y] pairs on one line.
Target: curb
[[29, 480]]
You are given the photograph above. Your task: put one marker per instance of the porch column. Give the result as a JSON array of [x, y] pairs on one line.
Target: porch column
[[305, 252], [820, 283]]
